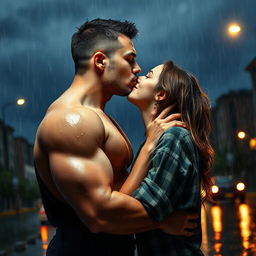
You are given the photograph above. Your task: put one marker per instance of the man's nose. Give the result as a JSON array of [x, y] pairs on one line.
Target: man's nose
[[136, 69]]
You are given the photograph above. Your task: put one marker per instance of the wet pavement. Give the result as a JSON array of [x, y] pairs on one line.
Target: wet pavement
[[229, 229]]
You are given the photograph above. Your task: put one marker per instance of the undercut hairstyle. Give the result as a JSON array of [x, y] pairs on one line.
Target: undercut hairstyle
[[183, 90], [98, 34]]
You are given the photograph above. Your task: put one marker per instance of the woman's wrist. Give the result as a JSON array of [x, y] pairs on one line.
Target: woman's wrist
[[148, 147]]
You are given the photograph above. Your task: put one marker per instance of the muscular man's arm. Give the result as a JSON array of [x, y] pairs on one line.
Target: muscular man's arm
[[83, 174], [85, 186]]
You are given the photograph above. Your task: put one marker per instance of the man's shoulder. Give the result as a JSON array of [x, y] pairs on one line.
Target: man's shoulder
[[71, 118], [70, 125]]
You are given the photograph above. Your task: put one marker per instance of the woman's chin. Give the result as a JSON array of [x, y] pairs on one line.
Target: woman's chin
[[132, 100]]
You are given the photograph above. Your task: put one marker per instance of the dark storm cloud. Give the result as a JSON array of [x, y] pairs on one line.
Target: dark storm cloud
[[41, 13], [196, 39], [36, 62], [12, 28]]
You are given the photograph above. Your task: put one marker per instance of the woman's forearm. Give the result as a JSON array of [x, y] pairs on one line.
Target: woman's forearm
[[139, 170]]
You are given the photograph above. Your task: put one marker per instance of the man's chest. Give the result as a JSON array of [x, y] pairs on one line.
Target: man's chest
[[117, 146], [118, 149]]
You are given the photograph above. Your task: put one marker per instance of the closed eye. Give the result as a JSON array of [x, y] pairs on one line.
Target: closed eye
[[149, 74], [130, 59]]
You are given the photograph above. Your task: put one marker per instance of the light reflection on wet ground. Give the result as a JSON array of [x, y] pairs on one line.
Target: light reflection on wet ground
[[229, 229], [45, 238]]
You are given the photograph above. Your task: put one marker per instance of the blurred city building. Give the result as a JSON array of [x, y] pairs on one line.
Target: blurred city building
[[16, 154], [251, 68], [7, 151], [231, 114], [18, 187], [24, 159], [235, 112], [2, 153]]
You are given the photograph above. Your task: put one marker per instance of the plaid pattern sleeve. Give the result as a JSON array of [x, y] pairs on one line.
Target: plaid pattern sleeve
[[171, 181]]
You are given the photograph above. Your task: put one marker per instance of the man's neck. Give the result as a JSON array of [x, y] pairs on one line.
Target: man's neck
[[87, 89]]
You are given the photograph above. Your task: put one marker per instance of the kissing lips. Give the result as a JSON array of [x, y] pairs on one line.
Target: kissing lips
[[133, 83]]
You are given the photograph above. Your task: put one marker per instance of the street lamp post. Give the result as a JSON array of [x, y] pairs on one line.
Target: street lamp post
[[15, 183], [19, 102]]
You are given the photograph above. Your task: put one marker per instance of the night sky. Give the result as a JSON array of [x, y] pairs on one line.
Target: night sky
[[36, 61]]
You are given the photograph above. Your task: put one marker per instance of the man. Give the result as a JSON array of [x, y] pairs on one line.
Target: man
[[81, 155]]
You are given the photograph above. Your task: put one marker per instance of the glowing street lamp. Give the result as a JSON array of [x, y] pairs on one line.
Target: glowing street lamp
[[234, 29], [20, 101], [240, 186], [241, 135], [252, 143]]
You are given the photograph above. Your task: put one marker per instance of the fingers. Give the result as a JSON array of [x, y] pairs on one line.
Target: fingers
[[170, 120], [172, 117], [192, 216], [191, 225], [165, 112], [176, 123], [187, 233]]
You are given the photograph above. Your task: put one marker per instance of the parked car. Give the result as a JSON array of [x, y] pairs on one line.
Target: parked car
[[42, 216], [228, 187]]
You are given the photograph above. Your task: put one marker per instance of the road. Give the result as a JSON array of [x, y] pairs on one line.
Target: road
[[228, 230]]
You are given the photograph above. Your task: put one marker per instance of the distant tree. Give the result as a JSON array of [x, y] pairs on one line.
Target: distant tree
[[6, 186], [27, 191], [7, 195]]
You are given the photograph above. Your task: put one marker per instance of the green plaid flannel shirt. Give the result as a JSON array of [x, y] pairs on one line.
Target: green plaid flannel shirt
[[172, 182]]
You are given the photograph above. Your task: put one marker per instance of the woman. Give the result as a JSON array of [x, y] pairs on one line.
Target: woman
[[178, 173]]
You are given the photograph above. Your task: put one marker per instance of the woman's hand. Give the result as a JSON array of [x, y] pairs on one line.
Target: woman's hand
[[160, 124], [180, 223], [155, 129]]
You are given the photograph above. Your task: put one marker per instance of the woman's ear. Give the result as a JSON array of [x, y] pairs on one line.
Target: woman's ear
[[160, 95], [99, 61]]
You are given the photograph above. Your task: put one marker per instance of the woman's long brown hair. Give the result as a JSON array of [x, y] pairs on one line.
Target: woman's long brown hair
[[183, 89]]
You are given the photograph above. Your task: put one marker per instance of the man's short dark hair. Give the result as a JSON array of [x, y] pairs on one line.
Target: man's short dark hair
[[95, 34]]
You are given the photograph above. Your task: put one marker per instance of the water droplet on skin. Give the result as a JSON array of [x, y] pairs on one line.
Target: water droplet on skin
[[72, 119]]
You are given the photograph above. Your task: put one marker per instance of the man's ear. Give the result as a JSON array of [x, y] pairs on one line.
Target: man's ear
[[160, 95], [100, 60]]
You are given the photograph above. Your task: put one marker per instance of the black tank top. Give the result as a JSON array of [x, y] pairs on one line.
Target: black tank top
[[73, 238]]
